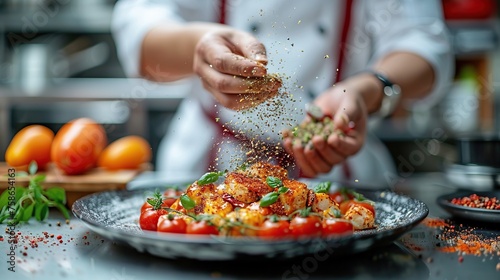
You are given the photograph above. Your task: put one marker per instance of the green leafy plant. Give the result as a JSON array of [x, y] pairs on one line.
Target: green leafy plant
[[272, 197], [32, 201], [210, 177]]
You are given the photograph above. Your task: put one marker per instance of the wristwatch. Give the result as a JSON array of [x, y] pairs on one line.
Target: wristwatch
[[392, 94]]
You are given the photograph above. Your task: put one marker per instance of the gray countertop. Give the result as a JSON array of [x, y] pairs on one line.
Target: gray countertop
[[82, 254]]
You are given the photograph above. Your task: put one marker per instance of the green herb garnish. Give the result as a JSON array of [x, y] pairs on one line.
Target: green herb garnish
[[24, 203], [187, 202], [209, 178], [323, 187], [272, 197]]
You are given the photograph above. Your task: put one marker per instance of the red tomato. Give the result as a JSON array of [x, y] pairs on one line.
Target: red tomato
[[146, 206], [171, 196], [172, 224], [128, 152], [340, 196], [271, 230], [201, 227], [77, 146], [305, 226], [149, 219], [32, 143], [344, 206], [336, 226]]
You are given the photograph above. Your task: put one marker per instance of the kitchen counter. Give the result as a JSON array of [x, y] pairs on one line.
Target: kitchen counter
[[82, 254]]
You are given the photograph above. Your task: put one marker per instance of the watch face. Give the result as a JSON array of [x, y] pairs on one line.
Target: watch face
[[391, 91]]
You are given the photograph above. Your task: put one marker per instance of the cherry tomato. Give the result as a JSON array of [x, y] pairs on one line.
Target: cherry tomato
[[128, 152], [201, 227], [336, 226], [77, 146], [32, 143], [271, 230], [149, 219], [172, 224], [305, 226], [344, 206], [146, 206], [340, 196], [171, 196]]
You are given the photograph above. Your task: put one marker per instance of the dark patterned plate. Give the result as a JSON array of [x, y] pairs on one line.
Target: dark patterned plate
[[475, 214], [114, 215]]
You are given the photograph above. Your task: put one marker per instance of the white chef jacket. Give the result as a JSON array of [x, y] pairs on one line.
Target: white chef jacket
[[302, 43]]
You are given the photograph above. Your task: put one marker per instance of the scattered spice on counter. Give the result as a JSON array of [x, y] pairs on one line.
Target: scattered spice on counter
[[476, 201], [463, 239]]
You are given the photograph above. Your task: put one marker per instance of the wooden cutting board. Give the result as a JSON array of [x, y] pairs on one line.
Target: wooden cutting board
[[76, 186]]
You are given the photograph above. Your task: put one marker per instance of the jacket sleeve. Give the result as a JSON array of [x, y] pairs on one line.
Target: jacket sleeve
[[131, 21], [415, 26]]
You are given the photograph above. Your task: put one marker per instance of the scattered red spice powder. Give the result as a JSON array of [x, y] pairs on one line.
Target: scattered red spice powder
[[462, 239]]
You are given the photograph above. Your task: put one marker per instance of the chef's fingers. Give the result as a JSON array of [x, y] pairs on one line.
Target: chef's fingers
[[248, 46], [222, 54], [346, 145], [231, 84], [315, 160], [237, 101], [329, 155]]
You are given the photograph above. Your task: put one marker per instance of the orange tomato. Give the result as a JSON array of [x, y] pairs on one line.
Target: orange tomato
[[77, 146], [32, 143], [128, 152]]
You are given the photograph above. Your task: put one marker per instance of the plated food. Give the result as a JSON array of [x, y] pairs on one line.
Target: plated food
[[257, 201]]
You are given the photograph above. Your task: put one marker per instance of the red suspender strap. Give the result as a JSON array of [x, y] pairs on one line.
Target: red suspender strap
[[344, 36], [343, 39], [222, 11]]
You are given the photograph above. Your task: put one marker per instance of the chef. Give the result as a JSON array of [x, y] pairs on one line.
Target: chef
[[254, 65]]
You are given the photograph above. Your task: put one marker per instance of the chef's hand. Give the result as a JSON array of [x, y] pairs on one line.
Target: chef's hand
[[349, 115], [232, 66]]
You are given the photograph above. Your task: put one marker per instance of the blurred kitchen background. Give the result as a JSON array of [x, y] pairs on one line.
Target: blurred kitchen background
[[58, 62]]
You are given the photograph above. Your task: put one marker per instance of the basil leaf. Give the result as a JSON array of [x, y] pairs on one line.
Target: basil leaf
[[358, 196], [37, 193], [20, 191], [208, 178], [28, 212], [269, 199], [4, 198], [274, 182], [38, 179], [56, 194], [41, 211], [19, 214], [187, 202], [33, 167], [282, 190], [323, 187]]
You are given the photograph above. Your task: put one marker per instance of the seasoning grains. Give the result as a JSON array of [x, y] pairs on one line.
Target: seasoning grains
[[42, 242], [256, 129], [463, 239]]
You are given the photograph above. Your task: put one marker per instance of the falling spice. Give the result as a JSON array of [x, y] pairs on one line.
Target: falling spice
[[256, 129], [463, 239]]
